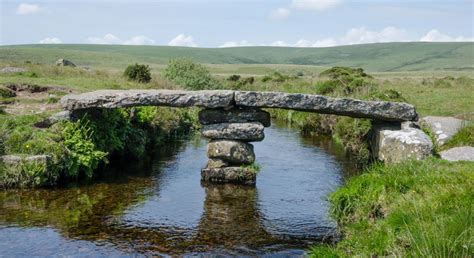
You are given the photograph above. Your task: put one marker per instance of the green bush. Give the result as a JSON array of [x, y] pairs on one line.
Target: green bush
[[138, 72], [344, 81], [6, 93], [83, 154], [233, 78], [190, 75]]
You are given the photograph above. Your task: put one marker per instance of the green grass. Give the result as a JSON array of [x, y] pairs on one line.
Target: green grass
[[414, 209], [372, 57], [465, 137]]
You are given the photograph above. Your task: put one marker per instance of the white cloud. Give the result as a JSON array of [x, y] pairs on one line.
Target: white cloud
[[280, 14], [108, 39], [183, 40], [111, 39], [302, 43], [329, 42], [52, 40], [315, 5], [25, 9], [242, 43], [435, 35], [362, 35], [139, 40], [359, 35], [279, 43]]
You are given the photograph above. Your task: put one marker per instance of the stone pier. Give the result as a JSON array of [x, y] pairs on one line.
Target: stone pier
[[230, 152]]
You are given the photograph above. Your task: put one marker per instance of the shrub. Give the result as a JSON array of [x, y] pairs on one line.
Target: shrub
[[6, 92], [234, 78], [190, 75], [83, 154], [138, 72], [344, 81]]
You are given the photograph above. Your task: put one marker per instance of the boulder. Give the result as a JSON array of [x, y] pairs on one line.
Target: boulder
[[9, 69], [64, 62], [444, 128], [234, 152], [239, 175], [234, 115], [54, 118], [60, 116], [394, 146], [464, 153], [216, 163], [14, 160], [381, 110], [234, 131], [130, 98]]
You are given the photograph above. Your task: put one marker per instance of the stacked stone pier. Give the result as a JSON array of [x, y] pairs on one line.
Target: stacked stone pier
[[230, 153], [232, 120]]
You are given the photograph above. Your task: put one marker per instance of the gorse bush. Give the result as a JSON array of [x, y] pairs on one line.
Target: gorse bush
[[344, 81], [190, 75], [138, 72]]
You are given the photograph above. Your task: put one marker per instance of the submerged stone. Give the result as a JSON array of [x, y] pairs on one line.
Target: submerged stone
[[234, 131], [234, 115], [382, 110], [238, 175], [235, 152]]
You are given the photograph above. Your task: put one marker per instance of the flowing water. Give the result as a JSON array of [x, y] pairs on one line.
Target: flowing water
[[160, 207]]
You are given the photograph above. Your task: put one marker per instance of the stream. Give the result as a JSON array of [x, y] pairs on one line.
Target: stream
[[160, 207]]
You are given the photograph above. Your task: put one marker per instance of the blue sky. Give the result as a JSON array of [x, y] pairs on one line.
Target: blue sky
[[226, 23]]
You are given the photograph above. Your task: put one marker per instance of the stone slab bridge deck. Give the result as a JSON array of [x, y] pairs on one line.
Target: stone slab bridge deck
[[232, 119]]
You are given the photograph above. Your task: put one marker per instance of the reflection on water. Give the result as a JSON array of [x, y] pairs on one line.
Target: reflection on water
[[161, 207]]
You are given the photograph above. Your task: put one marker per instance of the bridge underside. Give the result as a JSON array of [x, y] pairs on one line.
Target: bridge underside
[[234, 119]]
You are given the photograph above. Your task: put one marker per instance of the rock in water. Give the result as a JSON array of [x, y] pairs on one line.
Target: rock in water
[[234, 131], [381, 110], [234, 115], [216, 163], [234, 152], [395, 146], [131, 98], [444, 128], [239, 175], [463, 153], [64, 62]]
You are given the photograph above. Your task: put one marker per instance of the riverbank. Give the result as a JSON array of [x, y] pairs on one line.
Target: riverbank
[[414, 209], [72, 150]]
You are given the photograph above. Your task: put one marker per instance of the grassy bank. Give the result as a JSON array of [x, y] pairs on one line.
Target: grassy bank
[[414, 209], [78, 148]]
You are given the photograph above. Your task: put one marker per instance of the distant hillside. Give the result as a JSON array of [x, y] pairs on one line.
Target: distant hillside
[[413, 56]]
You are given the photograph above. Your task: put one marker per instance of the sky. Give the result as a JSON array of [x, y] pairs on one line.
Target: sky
[[229, 23]]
